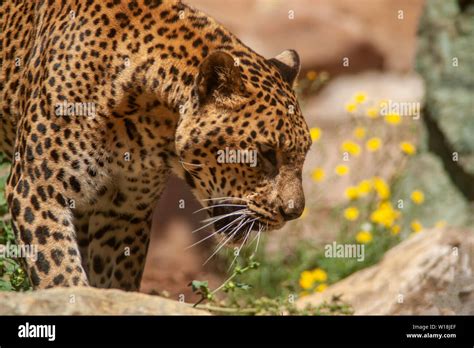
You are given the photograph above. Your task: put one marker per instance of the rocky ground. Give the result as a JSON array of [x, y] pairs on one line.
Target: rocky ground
[[90, 301], [430, 273]]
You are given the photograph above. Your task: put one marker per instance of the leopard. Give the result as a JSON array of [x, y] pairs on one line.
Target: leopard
[[102, 101]]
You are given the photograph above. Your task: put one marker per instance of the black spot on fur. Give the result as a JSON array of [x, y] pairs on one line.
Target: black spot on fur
[[42, 263], [189, 179], [76, 186], [42, 233], [57, 256], [29, 216], [98, 264]]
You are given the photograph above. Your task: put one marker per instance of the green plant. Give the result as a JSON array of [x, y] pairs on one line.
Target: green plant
[[12, 274], [240, 301]]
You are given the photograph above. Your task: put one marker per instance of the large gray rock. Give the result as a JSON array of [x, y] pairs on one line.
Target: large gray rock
[[445, 59], [429, 273], [90, 301]]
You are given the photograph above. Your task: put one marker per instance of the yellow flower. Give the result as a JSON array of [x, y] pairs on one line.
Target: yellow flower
[[364, 237], [385, 215], [321, 288], [350, 147], [407, 148], [311, 75], [417, 197], [318, 174], [319, 275], [359, 132], [352, 192], [315, 133], [364, 187], [351, 107], [373, 144], [395, 229], [306, 280], [360, 97], [416, 226], [393, 119], [372, 112], [382, 188], [441, 223], [309, 278], [351, 213], [304, 213], [342, 170]]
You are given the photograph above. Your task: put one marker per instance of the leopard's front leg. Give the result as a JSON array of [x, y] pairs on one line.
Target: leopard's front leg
[[117, 249], [119, 230], [42, 220]]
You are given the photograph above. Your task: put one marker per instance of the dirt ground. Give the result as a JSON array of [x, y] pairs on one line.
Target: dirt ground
[[170, 266]]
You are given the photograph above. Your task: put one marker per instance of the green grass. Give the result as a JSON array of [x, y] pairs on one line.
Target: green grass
[[12, 275], [279, 273], [236, 297], [274, 286]]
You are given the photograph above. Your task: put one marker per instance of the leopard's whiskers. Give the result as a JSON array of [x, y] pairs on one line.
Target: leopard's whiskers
[[220, 205], [190, 164], [224, 198], [257, 237], [232, 234], [190, 171], [216, 232], [249, 231], [218, 217]]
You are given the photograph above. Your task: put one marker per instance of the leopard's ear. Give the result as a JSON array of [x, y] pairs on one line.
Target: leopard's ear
[[288, 64], [219, 76]]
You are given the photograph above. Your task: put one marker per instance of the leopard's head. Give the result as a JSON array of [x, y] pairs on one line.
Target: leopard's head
[[243, 142]]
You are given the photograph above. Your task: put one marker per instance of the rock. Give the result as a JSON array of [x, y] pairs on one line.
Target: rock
[[90, 301], [446, 62], [443, 202], [429, 273], [368, 32]]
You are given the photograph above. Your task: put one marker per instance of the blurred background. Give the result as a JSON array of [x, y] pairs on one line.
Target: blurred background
[[371, 178]]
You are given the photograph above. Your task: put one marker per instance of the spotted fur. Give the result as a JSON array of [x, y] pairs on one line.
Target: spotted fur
[[170, 88]]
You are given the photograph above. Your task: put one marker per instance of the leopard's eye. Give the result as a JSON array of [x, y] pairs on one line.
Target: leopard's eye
[[269, 155]]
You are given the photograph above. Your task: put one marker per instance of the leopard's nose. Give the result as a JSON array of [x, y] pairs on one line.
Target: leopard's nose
[[290, 213]]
